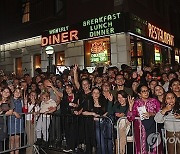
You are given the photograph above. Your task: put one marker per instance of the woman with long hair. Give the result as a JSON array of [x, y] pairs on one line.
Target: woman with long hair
[[16, 122], [6, 108], [96, 108], [168, 115], [159, 93], [174, 86], [31, 105]]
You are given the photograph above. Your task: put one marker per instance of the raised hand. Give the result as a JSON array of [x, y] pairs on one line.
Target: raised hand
[[110, 97], [75, 67], [25, 98], [131, 102]]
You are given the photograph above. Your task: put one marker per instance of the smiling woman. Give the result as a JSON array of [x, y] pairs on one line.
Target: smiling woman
[[151, 106]]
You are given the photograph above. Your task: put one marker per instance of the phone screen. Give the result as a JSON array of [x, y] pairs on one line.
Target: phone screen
[[138, 69]]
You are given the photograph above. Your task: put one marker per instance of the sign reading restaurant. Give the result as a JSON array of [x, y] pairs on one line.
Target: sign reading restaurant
[[104, 25], [160, 35]]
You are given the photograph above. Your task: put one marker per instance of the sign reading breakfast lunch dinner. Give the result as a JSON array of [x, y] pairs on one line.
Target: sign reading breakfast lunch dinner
[[102, 25], [95, 27]]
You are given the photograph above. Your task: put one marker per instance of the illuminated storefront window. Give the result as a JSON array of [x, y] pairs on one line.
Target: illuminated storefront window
[[97, 52], [60, 58], [37, 61], [19, 66], [157, 54], [136, 52], [177, 55]]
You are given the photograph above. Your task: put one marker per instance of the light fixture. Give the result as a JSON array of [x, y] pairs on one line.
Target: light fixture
[[49, 50]]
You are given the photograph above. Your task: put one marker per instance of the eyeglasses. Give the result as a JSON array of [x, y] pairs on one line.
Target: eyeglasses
[[144, 91]]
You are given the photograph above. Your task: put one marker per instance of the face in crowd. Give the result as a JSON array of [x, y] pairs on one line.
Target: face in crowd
[[122, 98], [95, 93], [45, 97], [6, 93], [24, 85], [159, 90], [144, 92], [152, 84], [17, 93], [85, 85], [69, 89], [135, 84], [170, 99], [119, 80], [164, 77], [106, 87], [175, 86]]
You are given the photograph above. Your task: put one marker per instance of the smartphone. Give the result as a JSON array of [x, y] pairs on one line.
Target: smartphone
[[138, 69], [69, 78]]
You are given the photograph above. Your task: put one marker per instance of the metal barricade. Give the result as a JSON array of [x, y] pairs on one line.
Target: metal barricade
[[84, 134], [155, 140], [13, 134], [171, 139]]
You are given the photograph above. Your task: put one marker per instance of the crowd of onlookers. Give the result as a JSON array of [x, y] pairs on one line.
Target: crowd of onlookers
[[153, 94]]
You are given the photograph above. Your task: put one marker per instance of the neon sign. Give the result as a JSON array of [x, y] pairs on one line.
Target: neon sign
[[160, 35], [59, 38], [95, 27], [99, 52]]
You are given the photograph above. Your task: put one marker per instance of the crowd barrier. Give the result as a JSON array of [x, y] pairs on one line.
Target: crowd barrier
[[58, 132], [12, 133], [101, 135], [158, 141]]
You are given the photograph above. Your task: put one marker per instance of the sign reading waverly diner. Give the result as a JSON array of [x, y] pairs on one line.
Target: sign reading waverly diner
[[96, 27]]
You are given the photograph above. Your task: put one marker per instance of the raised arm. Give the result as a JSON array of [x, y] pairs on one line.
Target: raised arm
[[132, 109], [76, 76]]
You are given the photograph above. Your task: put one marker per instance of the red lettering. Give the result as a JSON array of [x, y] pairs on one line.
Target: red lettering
[[56, 39], [50, 41], [60, 38], [73, 35], [64, 37], [44, 41]]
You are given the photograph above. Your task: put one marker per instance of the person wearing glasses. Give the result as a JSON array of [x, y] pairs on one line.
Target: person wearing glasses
[[145, 108]]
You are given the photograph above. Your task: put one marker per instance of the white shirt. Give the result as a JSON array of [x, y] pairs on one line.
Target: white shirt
[[46, 105], [30, 110]]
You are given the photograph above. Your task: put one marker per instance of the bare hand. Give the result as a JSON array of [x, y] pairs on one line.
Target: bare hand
[[110, 97], [75, 67], [96, 115], [119, 115], [25, 99], [17, 115], [146, 115], [48, 83], [177, 116], [168, 107], [131, 102]]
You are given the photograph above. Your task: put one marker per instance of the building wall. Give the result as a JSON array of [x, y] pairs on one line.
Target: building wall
[[74, 54], [120, 47]]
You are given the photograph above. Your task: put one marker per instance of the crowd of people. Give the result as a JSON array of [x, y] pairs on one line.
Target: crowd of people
[[153, 94]]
